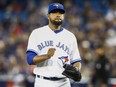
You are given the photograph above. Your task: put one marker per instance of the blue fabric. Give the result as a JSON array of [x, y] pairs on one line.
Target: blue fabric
[[72, 62], [55, 6], [57, 31], [30, 55]]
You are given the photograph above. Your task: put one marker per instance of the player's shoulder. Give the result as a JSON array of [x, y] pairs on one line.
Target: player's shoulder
[[40, 29], [69, 33]]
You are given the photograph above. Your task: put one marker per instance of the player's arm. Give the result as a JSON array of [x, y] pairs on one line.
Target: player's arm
[[76, 58], [33, 58], [77, 65], [41, 58]]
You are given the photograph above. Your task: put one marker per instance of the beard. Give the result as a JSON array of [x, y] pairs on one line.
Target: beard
[[56, 22]]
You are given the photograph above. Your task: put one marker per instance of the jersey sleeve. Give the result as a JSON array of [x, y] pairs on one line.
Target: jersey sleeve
[[75, 55], [32, 43]]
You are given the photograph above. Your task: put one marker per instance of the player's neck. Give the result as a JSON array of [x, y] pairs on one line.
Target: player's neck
[[53, 27]]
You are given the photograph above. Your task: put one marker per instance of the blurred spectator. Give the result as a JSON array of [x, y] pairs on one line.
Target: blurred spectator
[[111, 14], [102, 69], [3, 69]]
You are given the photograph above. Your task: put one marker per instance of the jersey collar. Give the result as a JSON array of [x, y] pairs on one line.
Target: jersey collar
[[58, 31]]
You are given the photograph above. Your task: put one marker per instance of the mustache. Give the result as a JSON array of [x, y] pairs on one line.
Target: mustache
[[58, 18]]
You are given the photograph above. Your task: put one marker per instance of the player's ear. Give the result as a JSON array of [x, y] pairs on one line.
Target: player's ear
[[48, 15]]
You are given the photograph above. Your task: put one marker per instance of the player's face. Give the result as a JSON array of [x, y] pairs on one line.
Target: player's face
[[56, 17]]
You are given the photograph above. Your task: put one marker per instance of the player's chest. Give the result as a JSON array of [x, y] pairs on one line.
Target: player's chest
[[50, 39], [59, 42]]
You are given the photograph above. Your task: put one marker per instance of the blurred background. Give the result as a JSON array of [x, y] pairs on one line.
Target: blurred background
[[92, 21]]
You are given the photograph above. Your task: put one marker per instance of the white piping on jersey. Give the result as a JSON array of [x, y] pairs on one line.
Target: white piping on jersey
[[73, 61]]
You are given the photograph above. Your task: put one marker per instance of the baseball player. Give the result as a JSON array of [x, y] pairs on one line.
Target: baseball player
[[50, 48]]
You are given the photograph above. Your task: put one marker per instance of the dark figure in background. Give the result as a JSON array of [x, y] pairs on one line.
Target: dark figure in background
[[102, 69]]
